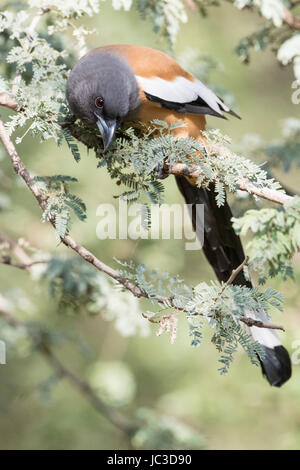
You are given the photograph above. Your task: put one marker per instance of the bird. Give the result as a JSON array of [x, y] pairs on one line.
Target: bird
[[115, 84]]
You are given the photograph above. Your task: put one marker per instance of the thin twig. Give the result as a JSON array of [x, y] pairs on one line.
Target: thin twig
[[115, 417], [15, 248], [167, 302], [234, 274], [260, 324], [272, 195], [247, 320], [35, 21], [6, 259]]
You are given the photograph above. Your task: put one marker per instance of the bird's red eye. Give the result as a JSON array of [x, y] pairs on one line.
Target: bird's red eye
[[99, 102]]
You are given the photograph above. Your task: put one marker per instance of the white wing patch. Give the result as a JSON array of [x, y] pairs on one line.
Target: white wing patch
[[211, 99], [264, 336], [181, 90]]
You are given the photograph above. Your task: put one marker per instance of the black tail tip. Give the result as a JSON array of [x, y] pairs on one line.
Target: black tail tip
[[276, 365]]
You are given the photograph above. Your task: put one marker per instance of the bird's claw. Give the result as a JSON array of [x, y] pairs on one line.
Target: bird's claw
[[162, 172]]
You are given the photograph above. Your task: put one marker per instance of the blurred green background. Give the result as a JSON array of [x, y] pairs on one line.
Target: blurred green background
[[237, 411]]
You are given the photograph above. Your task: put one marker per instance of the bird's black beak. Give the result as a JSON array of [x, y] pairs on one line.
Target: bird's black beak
[[107, 128]]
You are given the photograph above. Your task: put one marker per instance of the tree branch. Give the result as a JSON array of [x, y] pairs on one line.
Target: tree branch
[[246, 320], [260, 324], [19, 167], [192, 171], [167, 302], [115, 417], [272, 195], [21, 170], [16, 249], [234, 273], [6, 259]]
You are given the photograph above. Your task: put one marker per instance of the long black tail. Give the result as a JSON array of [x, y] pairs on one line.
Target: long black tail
[[223, 249]]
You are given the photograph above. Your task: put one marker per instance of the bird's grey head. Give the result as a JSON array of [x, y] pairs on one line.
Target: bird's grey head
[[102, 89]]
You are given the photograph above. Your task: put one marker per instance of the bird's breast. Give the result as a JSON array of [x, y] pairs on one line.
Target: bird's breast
[[192, 125]]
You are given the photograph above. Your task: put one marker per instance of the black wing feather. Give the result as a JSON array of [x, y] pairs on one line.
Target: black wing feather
[[198, 106]]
